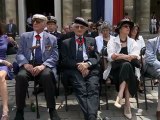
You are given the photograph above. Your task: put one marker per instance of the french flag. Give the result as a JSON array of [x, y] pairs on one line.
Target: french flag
[[113, 11]]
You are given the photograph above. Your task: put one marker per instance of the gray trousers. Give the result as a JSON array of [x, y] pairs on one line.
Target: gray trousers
[[45, 78], [87, 93], [156, 73]]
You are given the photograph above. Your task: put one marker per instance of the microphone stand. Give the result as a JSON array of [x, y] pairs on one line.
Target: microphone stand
[[35, 89]]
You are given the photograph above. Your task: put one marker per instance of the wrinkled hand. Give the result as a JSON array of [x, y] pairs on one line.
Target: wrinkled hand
[[29, 68], [129, 58], [82, 66], [11, 39], [85, 73], [8, 64], [38, 69], [114, 56]]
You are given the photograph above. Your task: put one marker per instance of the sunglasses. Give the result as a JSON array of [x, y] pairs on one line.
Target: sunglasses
[[126, 26], [37, 20], [79, 27], [94, 28]]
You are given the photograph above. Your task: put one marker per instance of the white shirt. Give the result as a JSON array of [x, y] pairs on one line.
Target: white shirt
[[85, 56], [34, 41], [153, 21], [140, 42], [99, 42]]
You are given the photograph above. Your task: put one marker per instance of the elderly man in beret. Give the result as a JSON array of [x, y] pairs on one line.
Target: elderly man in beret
[[44, 47], [80, 63]]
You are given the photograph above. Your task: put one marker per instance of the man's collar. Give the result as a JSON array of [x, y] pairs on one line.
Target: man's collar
[[76, 37], [41, 34], [52, 31]]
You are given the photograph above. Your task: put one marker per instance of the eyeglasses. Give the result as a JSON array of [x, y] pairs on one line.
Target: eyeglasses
[[79, 27], [94, 28], [126, 26], [37, 20]]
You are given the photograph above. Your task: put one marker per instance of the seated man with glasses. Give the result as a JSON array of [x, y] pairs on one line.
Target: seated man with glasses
[[37, 58], [80, 62]]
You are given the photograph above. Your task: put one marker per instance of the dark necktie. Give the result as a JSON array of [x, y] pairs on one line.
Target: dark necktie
[[38, 52], [80, 50], [10, 28]]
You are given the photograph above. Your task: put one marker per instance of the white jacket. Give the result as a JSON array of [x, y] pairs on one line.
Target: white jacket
[[99, 42], [114, 46], [140, 42]]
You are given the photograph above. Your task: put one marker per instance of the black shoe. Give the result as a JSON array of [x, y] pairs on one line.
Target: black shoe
[[155, 82], [92, 117], [19, 115], [53, 114], [106, 118], [140, 87]]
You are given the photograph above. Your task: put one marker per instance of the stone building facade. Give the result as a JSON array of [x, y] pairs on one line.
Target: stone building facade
[[66, 10]]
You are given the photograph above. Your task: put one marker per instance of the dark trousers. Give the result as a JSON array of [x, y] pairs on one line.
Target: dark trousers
[[45, 78], [87, 92]]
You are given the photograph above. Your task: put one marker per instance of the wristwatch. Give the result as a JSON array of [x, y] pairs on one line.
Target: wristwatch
[[89, 63]]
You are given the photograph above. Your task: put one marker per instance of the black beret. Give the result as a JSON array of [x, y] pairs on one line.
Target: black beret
[[81, 21]]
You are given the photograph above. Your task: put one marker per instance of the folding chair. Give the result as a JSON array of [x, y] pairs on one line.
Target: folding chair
[[68, 89], [145, 76], [103, 59]]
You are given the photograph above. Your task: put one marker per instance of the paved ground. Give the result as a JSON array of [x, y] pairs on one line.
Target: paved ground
[[74, 112]]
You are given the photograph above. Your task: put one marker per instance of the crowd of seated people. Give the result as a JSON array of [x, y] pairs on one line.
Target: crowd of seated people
[[78, 48]]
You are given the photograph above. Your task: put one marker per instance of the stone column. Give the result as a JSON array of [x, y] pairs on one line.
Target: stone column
[[57, 10], [10, 6], [76, 8], [22, 16], [129, 8], [67, 11], [144, 18], [86, 9], [2, 10]]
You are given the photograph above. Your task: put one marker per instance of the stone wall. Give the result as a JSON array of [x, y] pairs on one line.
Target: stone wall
[[10, 10], [129, 8], [144, 17], [67, 11], [139, 11], [75, 8], [2, 10]]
